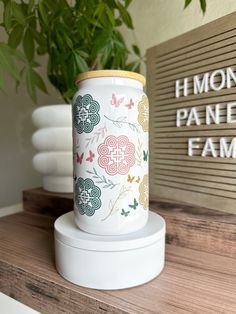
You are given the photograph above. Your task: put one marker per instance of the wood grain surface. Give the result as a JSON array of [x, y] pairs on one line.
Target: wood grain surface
[[192, 281], [198, 228], [204, 181], [41, 201]]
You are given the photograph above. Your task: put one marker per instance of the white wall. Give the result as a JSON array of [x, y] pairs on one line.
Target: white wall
[[156, 21], [16, 151]]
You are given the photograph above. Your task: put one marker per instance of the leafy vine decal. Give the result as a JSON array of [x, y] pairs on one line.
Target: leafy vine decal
[[96, 136], [107, 183], [113, 204], [139, 152], [122, 120]]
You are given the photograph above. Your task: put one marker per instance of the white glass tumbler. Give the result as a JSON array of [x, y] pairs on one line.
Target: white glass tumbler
[[110, 148]]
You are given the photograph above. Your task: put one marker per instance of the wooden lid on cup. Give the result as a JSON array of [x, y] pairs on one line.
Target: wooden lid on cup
[[111, 73]]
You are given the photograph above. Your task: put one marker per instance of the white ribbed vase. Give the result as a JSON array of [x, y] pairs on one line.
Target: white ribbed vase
[[53, 140]]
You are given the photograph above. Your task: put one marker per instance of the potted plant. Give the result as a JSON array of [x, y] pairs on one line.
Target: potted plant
[[75, 37]]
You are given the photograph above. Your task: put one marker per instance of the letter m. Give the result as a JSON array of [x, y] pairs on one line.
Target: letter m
[[227, 151], [200, 86]]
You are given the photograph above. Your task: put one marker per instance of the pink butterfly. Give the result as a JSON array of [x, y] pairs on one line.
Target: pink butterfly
[[91, 156], [116, 102], [79, 158], [131, 103]]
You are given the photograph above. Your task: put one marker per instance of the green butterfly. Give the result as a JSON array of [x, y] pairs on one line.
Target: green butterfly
[[124, 213], [145, 155], [135, 204]]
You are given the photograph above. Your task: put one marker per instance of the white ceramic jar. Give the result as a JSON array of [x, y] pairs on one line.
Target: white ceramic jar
[[53, 140], [110, 147]]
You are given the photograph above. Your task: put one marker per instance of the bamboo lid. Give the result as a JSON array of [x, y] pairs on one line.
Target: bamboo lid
[[111, 73]]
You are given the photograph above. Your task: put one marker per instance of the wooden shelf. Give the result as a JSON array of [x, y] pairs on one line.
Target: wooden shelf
[[188, 226], [192, 281]]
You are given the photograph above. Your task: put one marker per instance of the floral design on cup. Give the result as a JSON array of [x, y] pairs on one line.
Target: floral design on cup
[[143, 113], [116, 155], [85, 113], [143, 192], [87, 196]]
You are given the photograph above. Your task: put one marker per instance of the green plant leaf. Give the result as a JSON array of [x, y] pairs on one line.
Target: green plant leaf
[[69, 93], [28, 45], [15, 36], [38, 81], [187, 3], [125, 15], [81, 63], [22, 72], [43, 13], [40, 39], [101, 40], [203, 5], [106, 54], [136, 50], [68, 40], [30, 85], [82, 53], [30, 6], [18, 13], [110, 15], [127, 3], [7, 15], [7, 61]]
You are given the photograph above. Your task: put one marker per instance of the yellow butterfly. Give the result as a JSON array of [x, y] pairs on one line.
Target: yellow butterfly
[[138, 180], [130, 179]]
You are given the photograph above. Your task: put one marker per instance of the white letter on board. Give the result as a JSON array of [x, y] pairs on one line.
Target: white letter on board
[[181, 114], [221, 73], [213, 115], [230, 75], [209, 148], [200, 87], [229, 112], [193, 117], [226, 151], [192, 145], [183, 87]]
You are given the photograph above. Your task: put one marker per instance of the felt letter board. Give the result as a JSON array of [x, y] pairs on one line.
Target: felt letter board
[[191, 84]]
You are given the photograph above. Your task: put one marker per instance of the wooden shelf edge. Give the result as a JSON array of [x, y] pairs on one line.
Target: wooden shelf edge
[[191, 280], [198, 228], [187, 226]]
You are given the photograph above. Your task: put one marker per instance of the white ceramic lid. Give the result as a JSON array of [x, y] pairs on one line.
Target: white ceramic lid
[[67, 232]]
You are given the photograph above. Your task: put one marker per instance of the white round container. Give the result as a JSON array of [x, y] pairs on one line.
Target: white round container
[[110, 131], [109, 262], [53, 140]]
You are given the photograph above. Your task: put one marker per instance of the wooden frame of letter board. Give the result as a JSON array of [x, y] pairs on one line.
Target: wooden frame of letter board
[[204, 181]]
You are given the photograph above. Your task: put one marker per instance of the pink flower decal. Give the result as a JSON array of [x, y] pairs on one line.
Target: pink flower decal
[[116, 155]]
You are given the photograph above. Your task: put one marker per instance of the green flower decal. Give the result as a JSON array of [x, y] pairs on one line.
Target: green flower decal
[[87, 196], [85, 113]]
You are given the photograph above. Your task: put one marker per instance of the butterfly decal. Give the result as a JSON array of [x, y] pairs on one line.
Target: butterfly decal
[[130, 104], [145, 155], [138, 179], [135, 205], [130, 179], [91, 156], [79, 158], [116, 102], [124, 213]]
